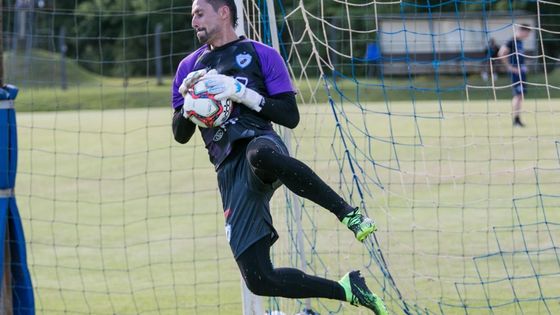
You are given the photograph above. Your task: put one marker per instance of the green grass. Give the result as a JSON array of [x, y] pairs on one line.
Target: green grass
[[43, 69], [39, 78], [109, 93], [119, 219], [41, 91]]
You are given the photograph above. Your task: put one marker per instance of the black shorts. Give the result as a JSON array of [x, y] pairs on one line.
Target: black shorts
[[246, 199], [518, 80]]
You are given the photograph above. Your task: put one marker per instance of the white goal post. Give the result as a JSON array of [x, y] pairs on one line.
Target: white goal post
[[252, 304]]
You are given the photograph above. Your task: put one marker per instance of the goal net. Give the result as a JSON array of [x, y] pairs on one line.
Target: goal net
[[405, 111], [408, 112]]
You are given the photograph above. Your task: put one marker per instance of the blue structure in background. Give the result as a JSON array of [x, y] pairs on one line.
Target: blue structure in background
[[373, 58], [373, 52], [10, 222]]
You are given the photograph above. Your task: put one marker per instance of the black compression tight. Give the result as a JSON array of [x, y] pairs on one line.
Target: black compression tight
[[263, 279], [270, 164]]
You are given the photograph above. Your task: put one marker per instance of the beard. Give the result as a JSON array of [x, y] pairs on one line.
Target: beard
[[202, 36], [205, 35]]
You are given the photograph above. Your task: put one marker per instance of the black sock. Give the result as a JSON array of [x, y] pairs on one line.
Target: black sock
[[517, 121], [263, 279]]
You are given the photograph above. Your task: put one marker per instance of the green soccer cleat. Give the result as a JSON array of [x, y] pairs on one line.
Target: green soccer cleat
[[357, 293], [361, 226]]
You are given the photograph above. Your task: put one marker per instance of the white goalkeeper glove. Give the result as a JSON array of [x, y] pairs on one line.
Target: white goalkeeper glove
[[225, 87], [192, 78]]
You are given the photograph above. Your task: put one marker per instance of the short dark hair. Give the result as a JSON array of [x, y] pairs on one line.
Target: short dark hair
[[525, 27], [216, 4]]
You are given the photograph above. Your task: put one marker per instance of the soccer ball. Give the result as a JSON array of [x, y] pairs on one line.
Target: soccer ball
[[203, 109]]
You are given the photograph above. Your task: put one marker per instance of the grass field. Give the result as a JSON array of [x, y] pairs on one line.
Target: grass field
[[39, 75], [119, 219], [122, 220]]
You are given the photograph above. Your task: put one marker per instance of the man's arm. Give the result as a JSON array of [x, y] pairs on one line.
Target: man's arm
[[281, 109], [503, 55], [183, 129], [281, 106]]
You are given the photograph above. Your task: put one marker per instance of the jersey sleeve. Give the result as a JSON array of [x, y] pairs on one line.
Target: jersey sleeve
[[275, 72], [185, 67], [176, 97]]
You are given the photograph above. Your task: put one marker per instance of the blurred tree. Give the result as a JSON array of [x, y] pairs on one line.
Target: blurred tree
[[115, 37]]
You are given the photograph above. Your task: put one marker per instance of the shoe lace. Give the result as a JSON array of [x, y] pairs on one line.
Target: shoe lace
[[355, 221], [354, 217]]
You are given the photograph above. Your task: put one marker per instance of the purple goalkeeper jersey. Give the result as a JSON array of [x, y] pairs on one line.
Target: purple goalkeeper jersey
[[249, 61]]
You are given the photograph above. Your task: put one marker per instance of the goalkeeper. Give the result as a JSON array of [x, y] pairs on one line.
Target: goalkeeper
[[251, 160]]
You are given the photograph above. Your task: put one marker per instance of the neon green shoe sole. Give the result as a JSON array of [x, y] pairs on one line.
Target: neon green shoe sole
[[361, 226], [366, 229]]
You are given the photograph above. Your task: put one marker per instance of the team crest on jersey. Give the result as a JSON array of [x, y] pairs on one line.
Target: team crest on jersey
[[218, 135], [243, 59]]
